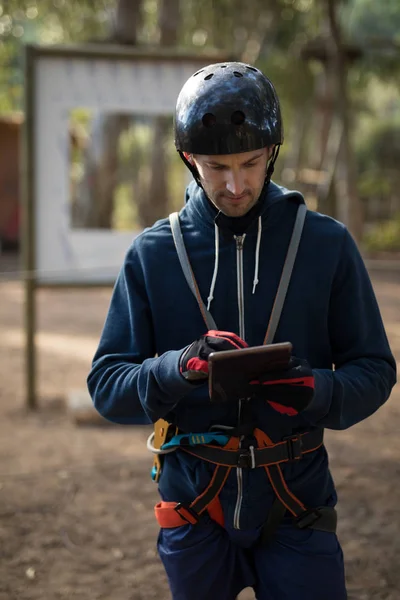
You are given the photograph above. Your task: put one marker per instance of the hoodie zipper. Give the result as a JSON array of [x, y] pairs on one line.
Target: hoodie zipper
[[239, 266], [239, 270]]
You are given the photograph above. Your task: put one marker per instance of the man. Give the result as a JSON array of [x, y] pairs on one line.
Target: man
[[250, 502]]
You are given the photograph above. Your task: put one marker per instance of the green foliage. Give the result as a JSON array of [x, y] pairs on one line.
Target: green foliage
[[269, 34], [375, 25], [125, 213], [379, 180], [369, 18], [379, 159], [56, 21], [381, 148], [47, 22], [384, 237], [268, 29]]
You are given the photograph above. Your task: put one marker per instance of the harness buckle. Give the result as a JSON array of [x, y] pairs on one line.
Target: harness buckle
[[307, 518], [186, 513], [294, 445], [246, 459]]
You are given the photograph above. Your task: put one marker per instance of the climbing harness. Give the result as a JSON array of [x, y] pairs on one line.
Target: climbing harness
[[223, 448]]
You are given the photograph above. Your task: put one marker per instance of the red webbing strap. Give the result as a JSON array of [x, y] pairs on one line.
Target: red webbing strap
[[212, 490], [214, 509], [173, 514], [275, 476], [167, 516]]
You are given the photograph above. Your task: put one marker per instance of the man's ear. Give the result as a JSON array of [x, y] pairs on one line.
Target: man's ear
[[189, 158]]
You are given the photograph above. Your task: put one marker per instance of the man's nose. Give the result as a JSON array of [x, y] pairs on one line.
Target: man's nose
[[235, 183]]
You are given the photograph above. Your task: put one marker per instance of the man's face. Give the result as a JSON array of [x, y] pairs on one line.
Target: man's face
[[233, 182]]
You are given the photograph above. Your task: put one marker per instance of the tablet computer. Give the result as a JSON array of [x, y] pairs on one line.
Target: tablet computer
[[230, 371]]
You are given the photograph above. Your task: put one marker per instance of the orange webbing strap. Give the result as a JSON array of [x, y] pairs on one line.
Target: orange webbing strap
[[167, 516], [215, 512], [175, 514], [275, 476]]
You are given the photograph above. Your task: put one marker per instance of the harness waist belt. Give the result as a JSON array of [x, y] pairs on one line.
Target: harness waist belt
[[290, 449]]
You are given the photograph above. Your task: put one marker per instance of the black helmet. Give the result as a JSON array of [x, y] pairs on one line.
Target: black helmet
[[227, 108]]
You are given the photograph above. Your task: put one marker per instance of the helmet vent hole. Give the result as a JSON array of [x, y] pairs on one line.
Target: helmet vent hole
[[223, 67], [198, 72], [209, 120], [209, 76], [252, 69], [237, 74], [238, 117]]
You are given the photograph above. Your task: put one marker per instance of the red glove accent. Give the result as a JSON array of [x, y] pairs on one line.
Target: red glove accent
[[289, 391], [193, 364], [284, 410]]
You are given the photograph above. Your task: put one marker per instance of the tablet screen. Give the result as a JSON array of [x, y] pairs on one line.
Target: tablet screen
[[231, 371]]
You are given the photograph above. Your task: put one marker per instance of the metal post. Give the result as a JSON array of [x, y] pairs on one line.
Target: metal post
[[28, 229]]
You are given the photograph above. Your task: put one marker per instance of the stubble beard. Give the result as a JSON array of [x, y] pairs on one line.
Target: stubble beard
[[222, 203]]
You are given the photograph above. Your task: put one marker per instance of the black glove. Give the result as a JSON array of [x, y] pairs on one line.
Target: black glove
[[288, 391], [193, 363]]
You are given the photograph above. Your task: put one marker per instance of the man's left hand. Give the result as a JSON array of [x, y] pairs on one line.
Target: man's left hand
[[289, 391]]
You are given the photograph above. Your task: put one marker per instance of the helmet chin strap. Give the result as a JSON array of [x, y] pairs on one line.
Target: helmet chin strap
[[271, 164], [191, 168]]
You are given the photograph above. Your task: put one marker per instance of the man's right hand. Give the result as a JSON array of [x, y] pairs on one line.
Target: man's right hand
[[193, 363]]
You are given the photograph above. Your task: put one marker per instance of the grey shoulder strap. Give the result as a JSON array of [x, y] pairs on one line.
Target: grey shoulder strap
[[187, 269], [283, 283], [286, 274]]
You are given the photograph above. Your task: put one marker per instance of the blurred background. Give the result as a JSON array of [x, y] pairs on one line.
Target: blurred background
[[76, 497], [335, 65]]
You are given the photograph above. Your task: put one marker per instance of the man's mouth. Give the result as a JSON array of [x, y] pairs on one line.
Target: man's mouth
[[236, 199]]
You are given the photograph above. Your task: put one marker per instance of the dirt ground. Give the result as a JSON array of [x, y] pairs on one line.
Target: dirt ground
[[76, 503]]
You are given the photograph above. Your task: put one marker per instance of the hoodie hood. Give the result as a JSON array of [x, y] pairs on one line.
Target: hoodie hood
[[201, 209], [257, 220]]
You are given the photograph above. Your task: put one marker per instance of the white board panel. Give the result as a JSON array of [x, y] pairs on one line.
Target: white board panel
[[62, 83]]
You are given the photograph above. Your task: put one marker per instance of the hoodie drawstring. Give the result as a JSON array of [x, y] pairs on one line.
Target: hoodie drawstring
[[214, 277], [257, 257], [216, 262]]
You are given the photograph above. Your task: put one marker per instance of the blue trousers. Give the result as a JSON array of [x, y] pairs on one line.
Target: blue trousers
[[206, 562]]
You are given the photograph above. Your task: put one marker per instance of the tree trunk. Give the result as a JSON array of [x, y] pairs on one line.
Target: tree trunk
[[93, 204], [298, 136], [326, 140], [154, 205], [127, 23], [348, 203]]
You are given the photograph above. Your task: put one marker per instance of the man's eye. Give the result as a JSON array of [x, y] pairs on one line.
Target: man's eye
[[250, 165], [218, 167]]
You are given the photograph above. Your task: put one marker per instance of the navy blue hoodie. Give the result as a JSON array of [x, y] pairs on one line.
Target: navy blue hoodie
[[330, 316]]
